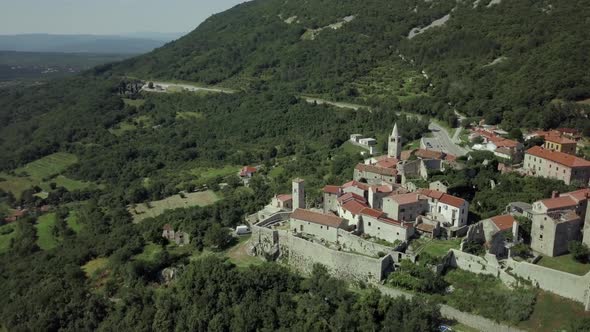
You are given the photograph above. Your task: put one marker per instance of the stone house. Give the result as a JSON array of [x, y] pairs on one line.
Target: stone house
[[556, 165], [557, 221], [561, 144], [405, 207], [321, 225], [178, 237], [283, 201], [247, 171], [374, 174], [374, 223], [492, 233]]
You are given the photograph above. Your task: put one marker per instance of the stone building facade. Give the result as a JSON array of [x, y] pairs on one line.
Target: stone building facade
[[557, 165]]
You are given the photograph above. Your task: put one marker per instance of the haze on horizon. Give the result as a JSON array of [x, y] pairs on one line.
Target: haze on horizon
[[106, 17]]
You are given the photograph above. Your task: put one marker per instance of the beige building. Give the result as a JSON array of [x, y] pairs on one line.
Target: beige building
[[374, 223], [374, 174], [405, 207], [320, 225], [446, 208], [557, 165]]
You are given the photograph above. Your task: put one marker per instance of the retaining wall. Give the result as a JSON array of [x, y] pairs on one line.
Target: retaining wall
[[351, 242], [480, 265]]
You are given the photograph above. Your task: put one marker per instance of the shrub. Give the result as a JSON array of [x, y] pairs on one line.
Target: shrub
[[579, 251]]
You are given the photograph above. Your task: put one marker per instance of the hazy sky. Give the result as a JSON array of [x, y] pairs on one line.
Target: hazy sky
[[106, 16]]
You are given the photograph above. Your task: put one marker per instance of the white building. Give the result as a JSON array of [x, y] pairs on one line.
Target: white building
[[320, 225], [446, 208]]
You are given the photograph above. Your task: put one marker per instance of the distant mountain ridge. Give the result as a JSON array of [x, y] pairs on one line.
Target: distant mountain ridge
[[98, 44]]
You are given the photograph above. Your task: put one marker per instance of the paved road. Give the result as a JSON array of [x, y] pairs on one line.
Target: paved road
[[320, 101], [444, 142], [163, 87]]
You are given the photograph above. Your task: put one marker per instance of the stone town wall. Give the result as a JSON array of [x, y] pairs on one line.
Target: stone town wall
[[351, 242], [474, 321], [480, 265], [564, 284], [303, 255]]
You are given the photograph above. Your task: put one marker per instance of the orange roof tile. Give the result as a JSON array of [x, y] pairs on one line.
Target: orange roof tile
[[443, 197], [579, 195], [503, 222], [558, 157], [285, 198], [351, 197], [354, 207], [405, 198], [317, 218], [559, 139], [376, 170], [372, 212], [332, 189], [360, 185], [561, 202]]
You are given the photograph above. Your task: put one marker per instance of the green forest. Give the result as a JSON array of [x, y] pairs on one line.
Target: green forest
[[93, 147]]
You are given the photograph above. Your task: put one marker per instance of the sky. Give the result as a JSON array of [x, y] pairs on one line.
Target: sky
[[110, 17]]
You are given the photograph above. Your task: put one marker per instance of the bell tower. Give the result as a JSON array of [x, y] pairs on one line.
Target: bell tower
[[298, 194], [394, 148]]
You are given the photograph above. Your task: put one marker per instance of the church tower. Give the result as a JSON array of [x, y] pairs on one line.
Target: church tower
[[394, 148], [298, 194]]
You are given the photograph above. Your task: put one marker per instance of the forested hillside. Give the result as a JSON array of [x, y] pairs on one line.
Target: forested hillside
[[510, 61]]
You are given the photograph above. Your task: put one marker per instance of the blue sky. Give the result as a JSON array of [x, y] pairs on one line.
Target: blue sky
[[106, 16]]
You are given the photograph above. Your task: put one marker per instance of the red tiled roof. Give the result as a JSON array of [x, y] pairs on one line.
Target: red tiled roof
[[285, 197], [503, 142], [443, 198], [387, 163], [392, 221], [360, 185], [503, 222], [405, 198], [332, 189], [429, 154], [372, 212], [560, 202], [382, 189], [406, 154], [354, 207], [376, 170], [579, 195], [559, 140], [568, 131], [351, 197], [248, 170], [317, 218], [558, 157]]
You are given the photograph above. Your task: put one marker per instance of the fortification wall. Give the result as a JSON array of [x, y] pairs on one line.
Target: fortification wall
[[303, 254], [351, 242], [564, 284], [481, 265]]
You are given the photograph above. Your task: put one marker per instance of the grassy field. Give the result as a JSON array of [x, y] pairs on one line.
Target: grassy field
[[435, 248], [94, 265], [565, 263], [348, 147], [553, 313], [6, 233], [276, 171], [204, 174], [189, 115], [73, 223], [133, 102], [131, 124], [149, 252], [142, 211], [45, 223], [48, 165], [41, 173], [239, 254]]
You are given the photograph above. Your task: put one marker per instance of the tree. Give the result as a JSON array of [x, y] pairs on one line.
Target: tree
[[579, 251], [217, 237], [516, 134]]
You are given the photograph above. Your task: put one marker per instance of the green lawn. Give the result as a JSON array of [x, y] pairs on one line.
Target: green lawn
[[6, 233], [239, 254], [348, 147], [73, 222], [44, 225], [564, 263], [203, 174], [16, 184], [149, 252], [276, 171], [553, 313], [436, 248], [134, 102], [94, 265]]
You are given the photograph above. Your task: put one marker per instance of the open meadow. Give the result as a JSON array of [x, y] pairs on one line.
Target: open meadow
[[156, 208]]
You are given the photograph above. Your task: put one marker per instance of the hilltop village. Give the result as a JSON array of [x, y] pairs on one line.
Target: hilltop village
[[364, 229]]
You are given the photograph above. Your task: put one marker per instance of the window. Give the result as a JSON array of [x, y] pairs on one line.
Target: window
[[369, 223], [321, 227], [327, 227], [379, 228], [543, 227], [301, 228], [541, 237], [402, 210]]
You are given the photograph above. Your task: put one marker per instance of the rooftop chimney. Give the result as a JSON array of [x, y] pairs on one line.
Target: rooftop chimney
[[554, 194]]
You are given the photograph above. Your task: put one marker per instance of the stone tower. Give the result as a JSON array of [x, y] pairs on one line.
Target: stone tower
[[394, 148], [298, 194]]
